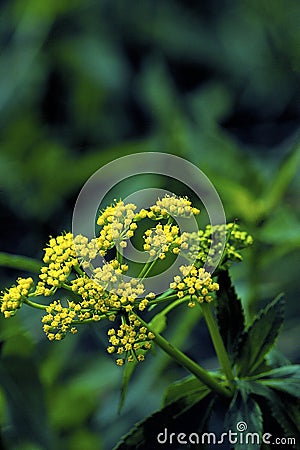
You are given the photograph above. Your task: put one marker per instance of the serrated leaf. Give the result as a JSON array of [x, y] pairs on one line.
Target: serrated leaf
[[230, 315], [286, 379], [283, 408], [260, 337], [287, 414], [272, 360], [186, 415], [187, 386], [244, 416], [276, 359]]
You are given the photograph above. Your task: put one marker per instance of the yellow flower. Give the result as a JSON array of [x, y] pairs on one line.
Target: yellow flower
[[132, 340], [11, 300], [172, 206], [195, 283], [59, 320], [117, 222], [60, 257], [160, 239]]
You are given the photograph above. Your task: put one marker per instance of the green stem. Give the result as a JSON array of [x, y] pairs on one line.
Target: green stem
[[217, 341], [156, 302], [146, 269], [119, 257], [188, 363], [166, 294], [66, 286], [79, 270], [173, 305], [34, 305]]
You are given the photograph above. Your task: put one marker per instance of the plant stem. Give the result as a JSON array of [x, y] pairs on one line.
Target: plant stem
[[166, 294], [66, 286], [34, 305], [172, 305], [119, 257], [202, 374], [156, 302], [79, 270], [146, 269], [217, 341]]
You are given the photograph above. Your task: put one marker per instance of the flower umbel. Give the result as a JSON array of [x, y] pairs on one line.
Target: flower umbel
[[60, 258], [12, 299], [115, 289], [173, 206], [130, 340], [197, 284]]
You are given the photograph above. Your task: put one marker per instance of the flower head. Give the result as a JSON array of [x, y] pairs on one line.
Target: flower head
[[59, 320], [159, 240], [195, 283], [130, 341], [117, 222], [60, 257], [11, 300], [172, 206]]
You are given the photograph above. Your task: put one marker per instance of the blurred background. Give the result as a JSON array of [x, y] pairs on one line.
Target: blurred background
[[85, 82]]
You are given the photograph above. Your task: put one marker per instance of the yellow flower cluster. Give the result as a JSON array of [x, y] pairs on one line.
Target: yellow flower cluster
[[159, 240], [93, 298], [86, 250], [209, 247], [130, 341], [105, 295], [173, 206], [196, 283], [12, 299], [117, 222], [108, 292], [60, 257], [59, 320], [123, 291]]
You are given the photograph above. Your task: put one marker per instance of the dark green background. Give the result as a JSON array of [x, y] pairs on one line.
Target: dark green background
[[84, 82]]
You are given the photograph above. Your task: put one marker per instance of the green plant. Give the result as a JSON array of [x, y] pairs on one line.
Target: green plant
[[253, 386]]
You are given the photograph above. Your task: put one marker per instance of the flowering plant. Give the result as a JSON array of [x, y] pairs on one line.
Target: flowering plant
[[102, 286]]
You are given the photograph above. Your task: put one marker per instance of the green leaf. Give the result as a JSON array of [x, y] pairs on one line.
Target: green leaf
[[260, 337], [276, 359], [230, 315], [244, 415], [186, 415], [283, 407], [187, 386], [286, 379], [158, 324], [287, 413], [20, 262]]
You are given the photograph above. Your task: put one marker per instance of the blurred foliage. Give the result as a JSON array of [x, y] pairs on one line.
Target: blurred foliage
[[84, 82]]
